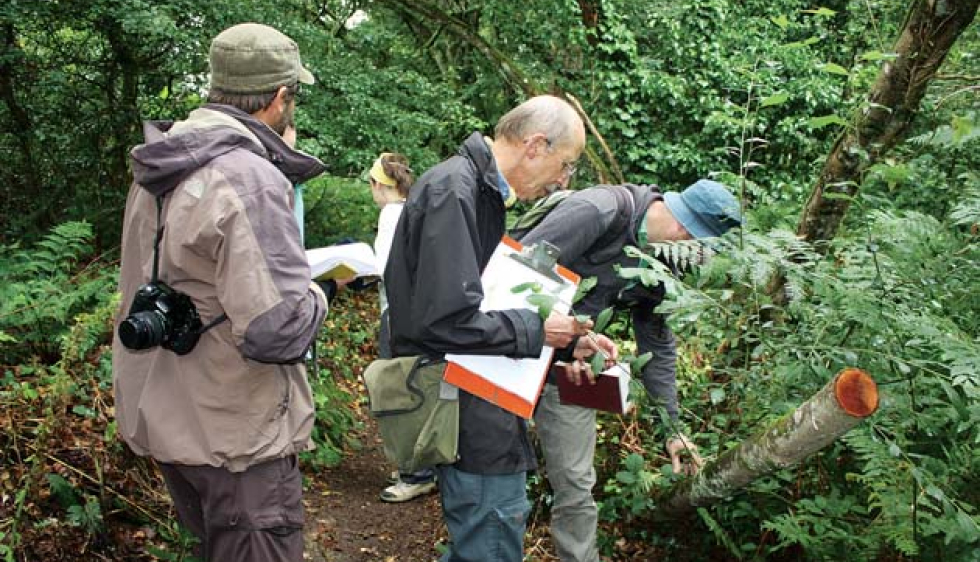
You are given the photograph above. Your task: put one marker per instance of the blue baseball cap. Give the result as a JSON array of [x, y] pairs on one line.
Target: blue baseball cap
[[706, 209]]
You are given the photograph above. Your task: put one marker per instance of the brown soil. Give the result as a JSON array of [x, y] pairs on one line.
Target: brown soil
[[347, 522]]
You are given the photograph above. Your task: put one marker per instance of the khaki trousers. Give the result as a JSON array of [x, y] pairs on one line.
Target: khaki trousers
[[568, 435]]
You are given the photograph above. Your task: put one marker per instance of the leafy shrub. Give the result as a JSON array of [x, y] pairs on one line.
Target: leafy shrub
[[44, 287], [900, 304], [338, 208], [345, 347]]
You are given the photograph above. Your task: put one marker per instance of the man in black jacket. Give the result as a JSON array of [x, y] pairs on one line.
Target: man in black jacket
[[451, 224], [590, 228]]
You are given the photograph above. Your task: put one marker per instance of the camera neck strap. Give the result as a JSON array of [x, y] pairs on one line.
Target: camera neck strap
[[156, 265], [156, 240]]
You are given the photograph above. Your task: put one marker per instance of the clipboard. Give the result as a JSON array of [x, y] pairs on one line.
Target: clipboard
[[512, 384]]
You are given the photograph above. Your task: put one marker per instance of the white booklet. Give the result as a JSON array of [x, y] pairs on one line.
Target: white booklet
[[343, 261]]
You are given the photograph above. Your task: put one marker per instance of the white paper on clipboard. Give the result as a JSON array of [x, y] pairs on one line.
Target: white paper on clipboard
[[512, 384]]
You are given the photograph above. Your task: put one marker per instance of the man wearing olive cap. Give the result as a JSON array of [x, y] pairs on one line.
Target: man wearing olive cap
[[591, 227], [226, 420]]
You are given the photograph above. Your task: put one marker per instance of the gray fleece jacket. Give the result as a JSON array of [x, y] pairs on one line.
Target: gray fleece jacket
[[578, 226]]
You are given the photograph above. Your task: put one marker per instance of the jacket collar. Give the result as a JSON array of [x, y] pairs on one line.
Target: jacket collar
[[296, 165], [476, 150]]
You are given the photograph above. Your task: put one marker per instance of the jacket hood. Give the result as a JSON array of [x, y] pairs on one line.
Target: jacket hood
[[173, 151]]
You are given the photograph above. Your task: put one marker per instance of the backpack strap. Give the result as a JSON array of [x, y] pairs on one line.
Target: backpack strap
[[526, 222]]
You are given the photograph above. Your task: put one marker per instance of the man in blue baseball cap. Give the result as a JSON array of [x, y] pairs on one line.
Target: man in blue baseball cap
[[591, 227]]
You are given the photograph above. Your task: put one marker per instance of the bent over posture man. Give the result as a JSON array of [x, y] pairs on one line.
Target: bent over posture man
[[209, 215], [452, 221], [591, 227]]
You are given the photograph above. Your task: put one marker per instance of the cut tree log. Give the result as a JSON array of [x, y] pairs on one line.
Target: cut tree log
[[849, 398]]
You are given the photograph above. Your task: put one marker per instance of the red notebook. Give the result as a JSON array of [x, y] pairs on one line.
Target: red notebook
[[609, 393]]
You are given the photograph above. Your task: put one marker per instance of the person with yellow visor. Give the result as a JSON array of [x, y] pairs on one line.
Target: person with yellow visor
[[391, 178]]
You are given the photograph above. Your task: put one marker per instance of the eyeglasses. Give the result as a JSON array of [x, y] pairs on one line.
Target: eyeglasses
[[568, 169]]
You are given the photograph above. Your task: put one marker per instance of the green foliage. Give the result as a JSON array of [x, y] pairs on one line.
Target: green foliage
[[828, 527], [6, 551], [345, 346], [62, 491], [80, 76], [61, 303], [651, 271], [629, 490], [338, 208], [45, 287], [967, 211], [87, 515], [347, 122], [177, 538], [900, 304]]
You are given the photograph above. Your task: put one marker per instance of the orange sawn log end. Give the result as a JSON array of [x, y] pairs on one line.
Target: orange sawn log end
[[856, 392]]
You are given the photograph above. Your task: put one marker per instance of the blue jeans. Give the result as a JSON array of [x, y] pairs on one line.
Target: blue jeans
[[485, 514]]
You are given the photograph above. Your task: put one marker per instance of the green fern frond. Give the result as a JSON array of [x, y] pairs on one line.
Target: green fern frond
[[44, 287], [967, 211], [719, 533], [684, 254]]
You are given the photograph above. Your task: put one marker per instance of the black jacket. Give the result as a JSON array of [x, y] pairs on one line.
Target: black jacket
[[575, 226], [453, 220]]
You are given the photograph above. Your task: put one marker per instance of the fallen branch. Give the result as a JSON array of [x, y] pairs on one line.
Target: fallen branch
[[830, 413]]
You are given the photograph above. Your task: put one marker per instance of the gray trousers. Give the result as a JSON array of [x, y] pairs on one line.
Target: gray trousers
[[568, 435], [250, 516]]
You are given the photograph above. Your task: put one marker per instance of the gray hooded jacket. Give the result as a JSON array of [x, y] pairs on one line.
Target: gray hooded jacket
[[580, 226], [231, 243]]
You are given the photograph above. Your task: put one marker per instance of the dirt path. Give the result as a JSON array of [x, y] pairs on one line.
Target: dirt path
[[346, 522]]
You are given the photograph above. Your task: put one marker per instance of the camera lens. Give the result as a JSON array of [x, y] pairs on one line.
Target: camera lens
[[143, 330]]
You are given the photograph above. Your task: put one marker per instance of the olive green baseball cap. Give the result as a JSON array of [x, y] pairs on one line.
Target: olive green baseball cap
[[251, 58]]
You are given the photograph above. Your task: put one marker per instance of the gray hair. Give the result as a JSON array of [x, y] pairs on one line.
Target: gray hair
[[541, 114]]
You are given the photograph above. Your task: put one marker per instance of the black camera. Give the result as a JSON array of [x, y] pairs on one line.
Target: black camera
[[161, 316]]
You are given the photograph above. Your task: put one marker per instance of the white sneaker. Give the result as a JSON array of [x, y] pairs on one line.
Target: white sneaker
[[403, 491], [393, 478]]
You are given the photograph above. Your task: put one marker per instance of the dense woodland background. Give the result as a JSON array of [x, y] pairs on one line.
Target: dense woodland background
[[848, 128]]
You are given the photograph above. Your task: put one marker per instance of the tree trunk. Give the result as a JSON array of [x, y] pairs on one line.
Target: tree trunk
[[830, 413], [930, 30], [21, 127], [591, 19]]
